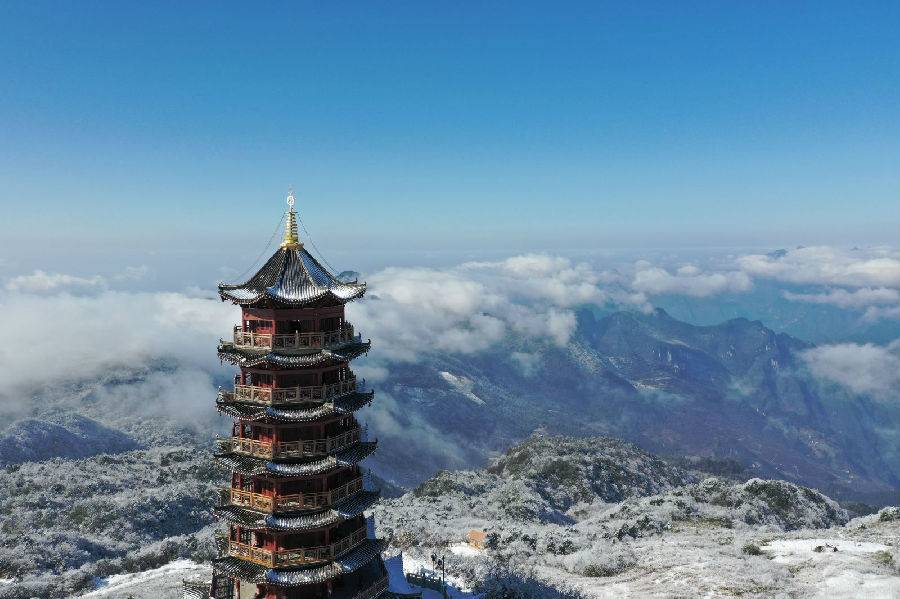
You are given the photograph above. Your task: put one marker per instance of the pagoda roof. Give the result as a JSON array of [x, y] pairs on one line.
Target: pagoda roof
[[346, 404], [195, 589], [292, 277], [347, 508], [254, 357], [251, 466], [295, 577]]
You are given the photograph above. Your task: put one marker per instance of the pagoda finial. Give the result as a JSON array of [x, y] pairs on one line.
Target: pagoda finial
[[291, 238]]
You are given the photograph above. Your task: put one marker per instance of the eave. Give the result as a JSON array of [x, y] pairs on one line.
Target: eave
[[346, 404], [251, 466], [254, 573], [325, 357], [347, 508]]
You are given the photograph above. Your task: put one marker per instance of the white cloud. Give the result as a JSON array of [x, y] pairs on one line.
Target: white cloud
[[393, 419], [878, 313], [825, 265], [185, 393], [60, 336], [842, 298], [471, 307], [44, 282], [688, 280], [861, 368], [53, 339]]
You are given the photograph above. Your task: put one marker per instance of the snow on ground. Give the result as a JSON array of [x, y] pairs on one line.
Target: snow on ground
[[396, 579], [465, 549], [160, 582], [792, 551], [837, 568], [456, 587], [689, 561], [463, 385], [165, 582], [695, 560]]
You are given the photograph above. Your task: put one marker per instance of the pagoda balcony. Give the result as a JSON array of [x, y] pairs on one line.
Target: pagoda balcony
[[283, 558], [274, 396], [290, 449], [294, 502], [292, 341]]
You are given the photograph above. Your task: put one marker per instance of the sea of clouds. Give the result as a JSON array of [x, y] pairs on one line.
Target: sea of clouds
[[62, 328]]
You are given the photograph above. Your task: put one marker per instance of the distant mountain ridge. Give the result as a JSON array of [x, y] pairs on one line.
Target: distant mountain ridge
[[71, 436], [736, 390]]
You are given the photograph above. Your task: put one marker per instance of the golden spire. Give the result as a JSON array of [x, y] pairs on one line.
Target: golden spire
[[291, 239]]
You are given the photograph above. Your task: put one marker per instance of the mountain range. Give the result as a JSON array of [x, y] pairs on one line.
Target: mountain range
[[578, 518], [737, 392], [100, 477]]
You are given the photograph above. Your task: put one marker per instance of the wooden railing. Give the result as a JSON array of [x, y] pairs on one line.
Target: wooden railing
[[274, 396], [298, 501], [291, 449], [280, 558], [292, 341]]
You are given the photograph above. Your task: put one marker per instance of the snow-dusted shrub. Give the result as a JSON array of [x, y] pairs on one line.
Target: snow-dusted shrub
[[889, 514], [789, 506], [751, 549], [600, 560], [507, 584]]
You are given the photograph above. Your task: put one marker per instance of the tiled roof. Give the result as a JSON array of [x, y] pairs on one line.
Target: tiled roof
[[251, 466], [350, 562], [341, 405], [292, 277], [253, 357], [345, 509]]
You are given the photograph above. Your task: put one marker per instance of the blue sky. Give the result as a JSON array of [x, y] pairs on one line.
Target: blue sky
[[129, 128]]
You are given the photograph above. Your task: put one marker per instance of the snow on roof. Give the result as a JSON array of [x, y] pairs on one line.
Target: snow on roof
[[292, 277], [255, 466]]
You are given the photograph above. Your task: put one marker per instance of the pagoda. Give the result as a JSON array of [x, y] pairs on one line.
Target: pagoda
[[295, 505]]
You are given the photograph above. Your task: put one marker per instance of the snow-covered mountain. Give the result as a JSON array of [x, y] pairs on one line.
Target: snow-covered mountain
[[735, 391], [71, 436], [111, 476], [598, 517]]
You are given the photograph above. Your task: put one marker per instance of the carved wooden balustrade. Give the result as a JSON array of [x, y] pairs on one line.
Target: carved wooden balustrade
[[281, 558], [296, 501], [275, 396], [292, 341], [290, 449]]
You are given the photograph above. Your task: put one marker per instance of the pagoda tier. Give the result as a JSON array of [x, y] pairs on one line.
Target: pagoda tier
[[363, 573], [253, 519], [274, 358], [279, 548], [293, 440], [254, 466], [345, 404], [264, 384], [296, 506], [290, 495]]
